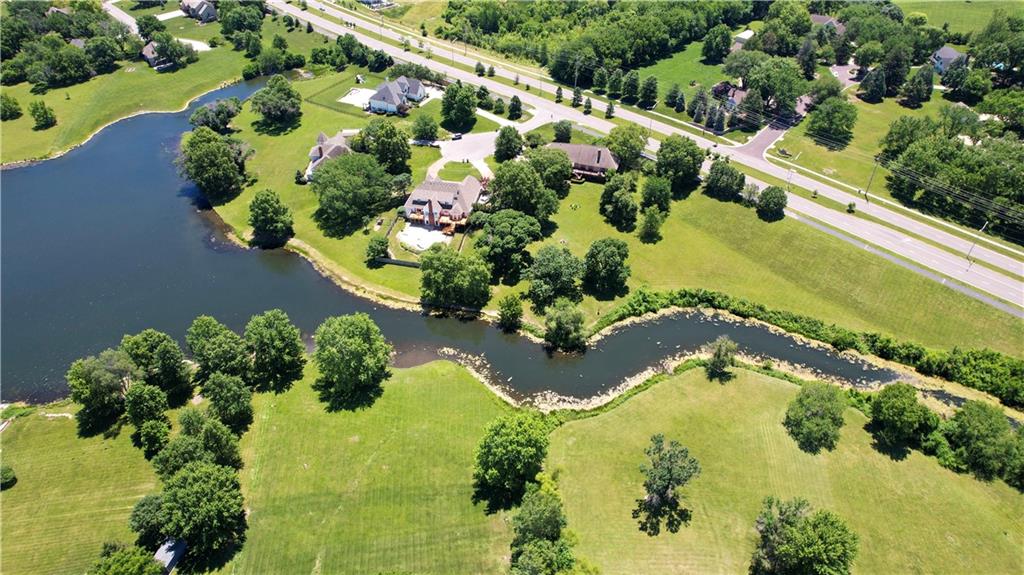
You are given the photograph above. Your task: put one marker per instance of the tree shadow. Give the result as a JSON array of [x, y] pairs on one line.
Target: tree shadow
[[650, 513], [209, 562], [494, 499], [606, 293], [91, 425], [268, 128], [722, 376], [548, 228], [460, 127], [770, 216], [266, 242], [835, 143], [682, 190], [896, 452], [355, 400]]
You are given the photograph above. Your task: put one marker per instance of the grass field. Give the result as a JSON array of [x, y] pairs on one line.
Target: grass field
[[457, 171], [379, 489], [912, 516], [961, 15], [72, 494], [853, 163]]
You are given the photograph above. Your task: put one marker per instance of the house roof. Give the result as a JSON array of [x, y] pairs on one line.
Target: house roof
[[389, 92], [587, 155], [56, 10], [744, 35], [825, 20], [149, 51], [457, 197], [327, 148], [947, 53], [170, 553], [407, 85]]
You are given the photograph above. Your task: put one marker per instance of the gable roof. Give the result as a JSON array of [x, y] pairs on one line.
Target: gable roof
[[587, 155], [407, 85], [439, 195], [390, 93], [149, 51], [947, 53], [745, 35], [826, 20]]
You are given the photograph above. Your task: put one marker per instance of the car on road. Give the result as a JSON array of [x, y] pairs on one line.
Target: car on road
[[457, 136]]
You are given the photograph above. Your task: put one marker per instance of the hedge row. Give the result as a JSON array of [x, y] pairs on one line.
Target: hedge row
[[982, 369]]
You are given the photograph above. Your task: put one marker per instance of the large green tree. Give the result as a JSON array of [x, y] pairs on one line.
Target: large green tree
[[351, 190], [670, 467], [276, 349], [209, 160], [230, 401], [99, 384], [215, 348], [898, 418], [451, 279], [716, 44], [510, 454], [779, 82], [605, 271], [981, 438], [679, 160], [627, 143], [724, 181], [815, 416], [554, 168], [203, 505], [517, 186], [126, 560], [270, 219], [508, 144], [563, 326], [387, 143], [503, 239], [279, 102], [771, 204], [791, 540], [555, 273], [352, 357], [162, 363], [458, 106], [144, 403]]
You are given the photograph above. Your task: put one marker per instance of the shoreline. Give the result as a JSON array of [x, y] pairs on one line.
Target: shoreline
[[33, 161]]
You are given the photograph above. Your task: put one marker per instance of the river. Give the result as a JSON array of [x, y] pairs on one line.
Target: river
[[108, 239]]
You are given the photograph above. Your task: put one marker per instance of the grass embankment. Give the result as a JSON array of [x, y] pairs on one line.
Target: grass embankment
[[912, 516], [72, 495], [379, 489], [134, 87], [963, 15]]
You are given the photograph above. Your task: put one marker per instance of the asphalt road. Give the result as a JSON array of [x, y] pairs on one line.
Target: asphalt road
[[921, 252]]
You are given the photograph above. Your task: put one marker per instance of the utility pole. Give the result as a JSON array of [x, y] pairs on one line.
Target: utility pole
[[970, 262], [870, 179]]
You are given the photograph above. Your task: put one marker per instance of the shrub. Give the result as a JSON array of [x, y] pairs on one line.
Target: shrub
[[815, 417]]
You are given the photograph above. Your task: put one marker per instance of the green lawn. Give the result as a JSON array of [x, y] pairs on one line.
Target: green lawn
[[578, 136], [912, 516], [853, 163], [787, 265], [457, 171], [72, 494], [379, 489], [961, 15]]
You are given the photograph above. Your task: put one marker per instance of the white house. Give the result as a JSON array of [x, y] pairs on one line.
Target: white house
[[394, 97], [943, 57]]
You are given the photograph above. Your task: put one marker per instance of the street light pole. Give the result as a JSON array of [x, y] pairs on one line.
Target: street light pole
[[970, 262]]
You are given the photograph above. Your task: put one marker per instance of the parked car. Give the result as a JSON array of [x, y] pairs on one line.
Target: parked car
[[457, 136]]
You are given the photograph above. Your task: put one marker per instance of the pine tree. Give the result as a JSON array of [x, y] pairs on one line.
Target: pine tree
[[806, 58], [709, 120], [610, 110], [600, 81], [720, 120], [615, 83], [577, 96], [672, 95], [587, 106], [490, 71], [558, 94], [698, 115], [631, 86], [680, 103], [873, 86]]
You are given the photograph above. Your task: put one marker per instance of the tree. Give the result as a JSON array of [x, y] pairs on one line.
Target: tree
[[617, 203], [451, 279], [563, 131], [515, 108], [510, 313], [480, 70], [99, 384], [103, 53], [558, 94], [388, 144], [42, 114], [954, 76], [672, 96], [898, 418], [588, 106], [424, 128], [144, 403], [981, 437], [615, 83], [679, 160], [178, 453], [627, 143], [600, 81], [793, 542], [270, 219], [10, 109], [540, 516], [740, 63], [896, 66], [771, 204], [241, 18], [554, 168], [868, 54], [903, 132], [919, 89], [974, 88], [161, 362], [215, 348], [499, 106], [825, 87], [649, 92], [577, 97], [278, 102], [670, 468], [351, 189], [217, 115], [153, 436], [278, 355], [779, 82], [173, 52], [563, 323], [723, 356], [651, 219], [807, 58], [510, 454], [208, 159], [458, 106], [609, 112], [123, 560], [149, 25], [376, 249], [203, 505], [517, 186], [716, 44], [657, 191], [631, 86], [873, 86], [815, 416], [554, 273], [508, 144], [490, 71], [503, 240], [724, 181], [146, 520], [605, 271], [352, 357]]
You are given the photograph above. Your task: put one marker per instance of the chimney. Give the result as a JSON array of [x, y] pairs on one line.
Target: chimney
[[599, 156]]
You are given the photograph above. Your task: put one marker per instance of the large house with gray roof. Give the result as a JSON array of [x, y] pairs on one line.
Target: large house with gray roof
[[394, 97], [588, 161], [443, 204], [202, 10], [325, 149], [943, 57]]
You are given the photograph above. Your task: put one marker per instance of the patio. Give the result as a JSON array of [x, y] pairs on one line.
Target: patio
[[419, 238]]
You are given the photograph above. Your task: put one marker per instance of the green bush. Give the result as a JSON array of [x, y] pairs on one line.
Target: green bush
[[7, 476]]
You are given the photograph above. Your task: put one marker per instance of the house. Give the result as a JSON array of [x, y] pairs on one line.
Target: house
[[729, 94], [443, 204], [150, 56], [170, 553], [325, 149], [943, 57], [826, 20], [588, 161], [202, 10], [394, 97], [741, 39], [55, 10]]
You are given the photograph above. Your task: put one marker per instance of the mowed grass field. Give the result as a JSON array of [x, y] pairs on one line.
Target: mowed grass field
[[912, 516], [961, 15], [852, 164], [72, 495], [384, 488]]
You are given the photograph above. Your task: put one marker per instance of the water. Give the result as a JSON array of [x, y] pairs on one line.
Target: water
[[108, 240]]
